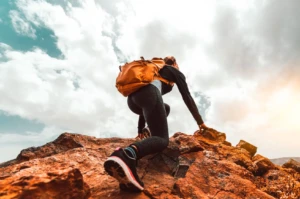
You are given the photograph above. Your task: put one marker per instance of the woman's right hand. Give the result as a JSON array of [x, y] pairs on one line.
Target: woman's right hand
[[143, 135], [203, 127]]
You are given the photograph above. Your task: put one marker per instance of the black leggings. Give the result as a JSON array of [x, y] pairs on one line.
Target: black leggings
[[142, 121], [148, 101]]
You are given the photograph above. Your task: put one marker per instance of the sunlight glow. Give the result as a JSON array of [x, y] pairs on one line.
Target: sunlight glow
[[284, 108]]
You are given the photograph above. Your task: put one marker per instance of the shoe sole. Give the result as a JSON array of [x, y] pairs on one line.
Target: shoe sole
[[117, 168]]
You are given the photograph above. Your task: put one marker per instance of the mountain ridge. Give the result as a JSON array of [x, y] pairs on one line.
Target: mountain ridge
[[283, 160], [203, 165]]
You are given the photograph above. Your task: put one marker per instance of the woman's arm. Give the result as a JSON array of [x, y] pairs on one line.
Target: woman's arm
[[174, 75]]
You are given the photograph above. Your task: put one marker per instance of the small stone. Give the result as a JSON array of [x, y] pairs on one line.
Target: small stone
[[212, 134]]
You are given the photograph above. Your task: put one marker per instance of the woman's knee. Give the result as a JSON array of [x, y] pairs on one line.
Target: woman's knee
[[164, 142]]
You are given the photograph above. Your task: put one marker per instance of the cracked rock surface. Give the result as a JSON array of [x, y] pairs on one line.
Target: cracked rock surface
[[203, 165]]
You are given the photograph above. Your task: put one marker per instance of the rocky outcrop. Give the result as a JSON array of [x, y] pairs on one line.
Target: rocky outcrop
[[60, 184], [248, 147], [203, 165], [293, 164], [262, 165]]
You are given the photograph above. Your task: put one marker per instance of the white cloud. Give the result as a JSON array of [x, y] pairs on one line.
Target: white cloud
[[46, 84], [220, 47], [257, 56], [20, 25]]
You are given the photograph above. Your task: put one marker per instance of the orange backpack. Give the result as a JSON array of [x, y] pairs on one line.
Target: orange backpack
[[139, 73]]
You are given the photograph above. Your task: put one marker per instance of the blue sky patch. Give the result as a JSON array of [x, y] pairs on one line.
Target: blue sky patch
[[45, 38], [16, 124]]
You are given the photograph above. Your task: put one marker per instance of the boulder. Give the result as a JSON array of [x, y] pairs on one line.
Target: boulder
[[248, 147], [212, 134], [293, 164], [262, 165], [61, 184]]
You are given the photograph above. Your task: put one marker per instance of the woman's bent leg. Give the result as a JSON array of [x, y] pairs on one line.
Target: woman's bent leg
[[151, 102]]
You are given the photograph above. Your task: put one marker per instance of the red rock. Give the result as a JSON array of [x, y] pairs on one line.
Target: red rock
[[282, 183], [63, 143], [262, 165], [212, 134], [186, 144], [248, 147], [192, 166], [62, 184], [227, 143], [293, 164]]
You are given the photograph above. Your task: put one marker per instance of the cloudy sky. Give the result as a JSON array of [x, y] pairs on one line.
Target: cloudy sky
[[59, 60]]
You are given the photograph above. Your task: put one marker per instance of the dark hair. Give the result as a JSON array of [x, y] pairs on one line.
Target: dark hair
[[170, 60]]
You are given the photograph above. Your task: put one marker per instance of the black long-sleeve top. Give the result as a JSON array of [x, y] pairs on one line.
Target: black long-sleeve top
[[174, 75]]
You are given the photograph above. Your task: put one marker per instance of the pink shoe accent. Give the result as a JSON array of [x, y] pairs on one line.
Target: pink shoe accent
[[127, 171]]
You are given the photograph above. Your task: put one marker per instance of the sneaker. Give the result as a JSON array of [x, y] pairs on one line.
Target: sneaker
[[122, 167], [146, 132]]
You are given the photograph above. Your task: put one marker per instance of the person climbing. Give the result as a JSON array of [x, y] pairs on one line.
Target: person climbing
[[147, 102]]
